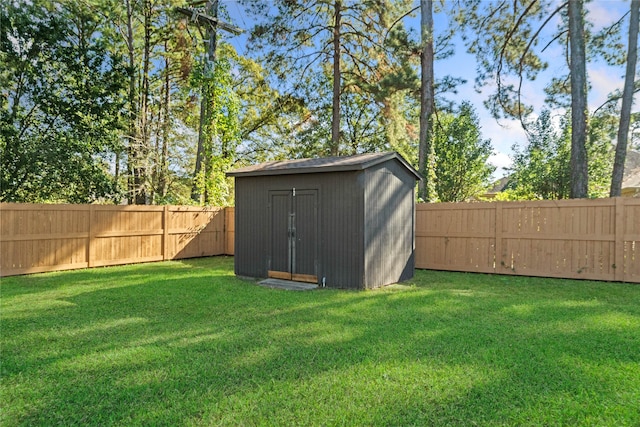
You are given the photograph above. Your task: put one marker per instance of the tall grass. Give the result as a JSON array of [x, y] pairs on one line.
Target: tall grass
[[187, 343]]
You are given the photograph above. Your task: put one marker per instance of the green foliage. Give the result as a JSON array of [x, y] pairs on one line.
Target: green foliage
[[86, 113], [634, 141], [461, 155], [62, 94], [222, 132], [187, 343], [541, 170]]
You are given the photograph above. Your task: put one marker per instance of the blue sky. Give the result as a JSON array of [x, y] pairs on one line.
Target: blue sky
[[503, 134], [603, 78]]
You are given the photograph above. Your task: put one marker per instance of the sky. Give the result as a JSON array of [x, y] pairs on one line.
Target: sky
[[505, 133]]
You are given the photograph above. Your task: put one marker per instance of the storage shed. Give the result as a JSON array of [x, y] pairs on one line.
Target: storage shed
[[343, 222]]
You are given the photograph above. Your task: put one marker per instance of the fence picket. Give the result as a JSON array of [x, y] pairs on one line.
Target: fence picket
[[41, 238], [576, 239], [586, 239]]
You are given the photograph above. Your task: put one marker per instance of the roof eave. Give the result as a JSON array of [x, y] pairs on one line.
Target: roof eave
[[323, 169], [296, 171]]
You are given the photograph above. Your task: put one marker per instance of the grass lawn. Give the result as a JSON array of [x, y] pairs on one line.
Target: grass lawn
[[187, 343]]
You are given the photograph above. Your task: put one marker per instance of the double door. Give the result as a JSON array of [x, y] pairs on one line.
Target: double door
[[294, 235]]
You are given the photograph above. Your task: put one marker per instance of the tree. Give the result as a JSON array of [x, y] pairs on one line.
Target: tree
[[297, 39], [461, 156], [340, 42], [267, 118], [579, 162], [158, 51], [542, 169], [505, 35], [61, 103], [502, 36], [136, 144], [337, 76], [627, 101], [427, 102], [221, 130], [207, 17]]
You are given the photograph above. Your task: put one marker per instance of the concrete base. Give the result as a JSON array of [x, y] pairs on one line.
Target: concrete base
[[287, 284]]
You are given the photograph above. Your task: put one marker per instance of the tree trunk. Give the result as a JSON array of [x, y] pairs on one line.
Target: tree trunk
[[426, 98], [579, 162], [166, 126], [627, 100], [141, 168], [196, 194], [335, 117], [133, 136], [198, 189]]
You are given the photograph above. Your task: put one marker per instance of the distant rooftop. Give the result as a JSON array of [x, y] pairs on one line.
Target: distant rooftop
[[325, 164], [632, 169]]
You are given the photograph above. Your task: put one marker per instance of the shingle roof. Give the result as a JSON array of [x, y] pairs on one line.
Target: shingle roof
[[326, 164], [632, 169]]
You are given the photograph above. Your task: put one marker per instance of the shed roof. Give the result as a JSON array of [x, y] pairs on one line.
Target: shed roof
[[325, 164]]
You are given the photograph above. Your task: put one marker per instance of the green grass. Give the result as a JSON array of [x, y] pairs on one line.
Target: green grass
[[187, 343]]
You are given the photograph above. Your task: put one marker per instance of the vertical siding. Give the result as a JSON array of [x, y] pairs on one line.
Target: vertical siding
[[340, 259], [251, 226], [306, 234], [341, 234], [279, 254], [389, 224], [365, 224]]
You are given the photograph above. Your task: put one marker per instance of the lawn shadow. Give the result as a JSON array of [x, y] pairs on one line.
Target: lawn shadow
[[196, 345]]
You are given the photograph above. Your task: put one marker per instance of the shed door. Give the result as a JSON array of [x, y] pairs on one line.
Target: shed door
[[294, 235]]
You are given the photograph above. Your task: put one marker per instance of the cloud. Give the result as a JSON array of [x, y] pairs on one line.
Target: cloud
[[500, 160], [604, 13], [502, 134], [603, 80]]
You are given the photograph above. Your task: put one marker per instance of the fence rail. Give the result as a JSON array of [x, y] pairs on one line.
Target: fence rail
[[39, 238], [576, 239]]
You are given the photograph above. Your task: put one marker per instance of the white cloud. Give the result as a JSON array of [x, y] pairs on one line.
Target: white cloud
[[500, 160], [502, 134], [604, 13], [603, 80]]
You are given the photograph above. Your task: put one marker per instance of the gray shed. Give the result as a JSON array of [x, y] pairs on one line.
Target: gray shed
[[343, 222]]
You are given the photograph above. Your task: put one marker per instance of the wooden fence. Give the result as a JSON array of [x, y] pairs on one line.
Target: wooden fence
[[39, 238], [577, 239], [585, 239]]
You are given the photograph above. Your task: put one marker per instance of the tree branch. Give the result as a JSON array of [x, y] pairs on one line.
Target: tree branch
[[616, 98], [522, 57], [398, 20], [554, 39]]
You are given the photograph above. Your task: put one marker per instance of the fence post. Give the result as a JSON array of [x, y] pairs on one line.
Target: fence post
[[224, 230], [165, 232], [498, 263], [91, 237], [618, 249]]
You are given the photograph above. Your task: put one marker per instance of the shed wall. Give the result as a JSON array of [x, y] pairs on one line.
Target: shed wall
[[389, 224], [340, 218]]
